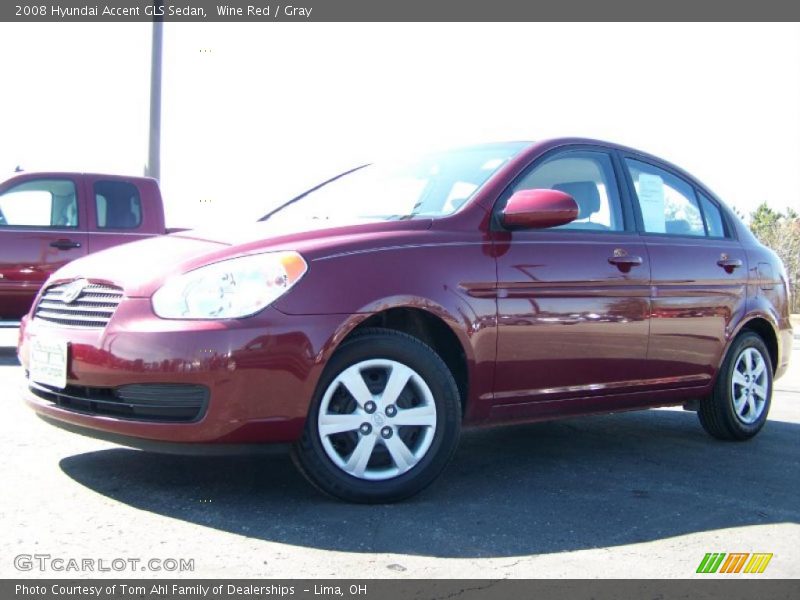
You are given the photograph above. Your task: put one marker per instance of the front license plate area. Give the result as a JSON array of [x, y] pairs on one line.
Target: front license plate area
[[48, 362]]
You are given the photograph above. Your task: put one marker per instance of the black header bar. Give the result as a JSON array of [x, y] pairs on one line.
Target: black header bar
[[269, 11]]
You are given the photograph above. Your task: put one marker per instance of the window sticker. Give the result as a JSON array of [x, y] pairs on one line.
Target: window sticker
[[650, 189]]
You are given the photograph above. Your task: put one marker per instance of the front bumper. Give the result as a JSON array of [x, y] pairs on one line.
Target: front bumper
[[260, 372]]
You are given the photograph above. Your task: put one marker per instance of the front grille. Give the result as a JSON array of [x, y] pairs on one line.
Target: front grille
[[92, 308], [164, 403]]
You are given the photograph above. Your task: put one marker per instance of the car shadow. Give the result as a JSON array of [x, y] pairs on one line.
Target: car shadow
[[526, 489]]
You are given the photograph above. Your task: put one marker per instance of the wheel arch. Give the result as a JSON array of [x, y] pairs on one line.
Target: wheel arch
[[431, 325], [763, 326]]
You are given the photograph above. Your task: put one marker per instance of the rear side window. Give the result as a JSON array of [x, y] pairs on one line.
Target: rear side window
[[118, 205], [667, 203], [715, 226], [586, 176], [40, 203]]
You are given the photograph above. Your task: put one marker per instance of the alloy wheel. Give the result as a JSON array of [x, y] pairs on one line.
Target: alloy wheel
[[749, 385]]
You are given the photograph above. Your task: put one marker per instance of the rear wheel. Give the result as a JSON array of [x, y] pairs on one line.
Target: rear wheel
[[384, 421], [737, 408]]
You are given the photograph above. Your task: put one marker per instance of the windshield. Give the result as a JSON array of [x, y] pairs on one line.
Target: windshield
[[430, 186]]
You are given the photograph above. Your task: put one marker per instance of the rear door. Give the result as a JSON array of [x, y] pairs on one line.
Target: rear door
[[42, 227], [573, 301], [699, 273]]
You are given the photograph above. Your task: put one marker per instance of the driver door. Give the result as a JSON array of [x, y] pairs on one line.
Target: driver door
[[40, 230], [573, 301]]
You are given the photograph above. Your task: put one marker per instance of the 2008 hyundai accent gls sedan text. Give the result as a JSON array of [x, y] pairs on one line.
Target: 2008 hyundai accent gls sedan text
[[368, 320]]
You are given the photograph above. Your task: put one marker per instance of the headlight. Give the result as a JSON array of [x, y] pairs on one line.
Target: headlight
[[230, 289]]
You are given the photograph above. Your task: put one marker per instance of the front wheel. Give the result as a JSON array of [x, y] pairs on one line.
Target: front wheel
[[384, 421], [737, 408]]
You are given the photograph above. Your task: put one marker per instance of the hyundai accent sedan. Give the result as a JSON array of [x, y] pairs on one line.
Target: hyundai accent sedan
[[367, 321]]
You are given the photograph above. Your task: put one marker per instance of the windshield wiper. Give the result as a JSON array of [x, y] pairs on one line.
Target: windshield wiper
[[313, 189]]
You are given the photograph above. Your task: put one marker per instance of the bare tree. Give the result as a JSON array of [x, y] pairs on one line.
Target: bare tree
[[781, 232]]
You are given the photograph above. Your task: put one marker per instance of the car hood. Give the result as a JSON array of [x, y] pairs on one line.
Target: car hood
[[132, 266], [239, 234], [141, 267]]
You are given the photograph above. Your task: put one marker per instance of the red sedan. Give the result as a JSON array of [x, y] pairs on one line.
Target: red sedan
[[370, 319]]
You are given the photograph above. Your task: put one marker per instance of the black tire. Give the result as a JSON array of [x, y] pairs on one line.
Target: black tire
[[310, 455], [717, 413]]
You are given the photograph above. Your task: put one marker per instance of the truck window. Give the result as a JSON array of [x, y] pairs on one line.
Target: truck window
[[118, 205], [40, 203]]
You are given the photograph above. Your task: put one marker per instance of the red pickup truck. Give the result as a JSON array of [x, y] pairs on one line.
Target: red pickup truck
[[49, 219]]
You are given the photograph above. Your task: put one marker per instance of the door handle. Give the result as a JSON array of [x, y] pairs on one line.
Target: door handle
[[65, 244], [729, 264], [623, 261]]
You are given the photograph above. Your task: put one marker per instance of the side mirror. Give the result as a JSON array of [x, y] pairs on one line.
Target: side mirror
[[537, 209]]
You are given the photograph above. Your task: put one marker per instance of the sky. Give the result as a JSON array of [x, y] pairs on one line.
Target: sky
[[256, 113]]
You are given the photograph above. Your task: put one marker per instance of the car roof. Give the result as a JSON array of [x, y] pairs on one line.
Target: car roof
[[66, 174]]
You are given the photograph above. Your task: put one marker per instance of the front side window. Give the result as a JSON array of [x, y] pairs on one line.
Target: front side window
[[668, 203], [40, 203], [118, 205], [586, 176], [434, 185]]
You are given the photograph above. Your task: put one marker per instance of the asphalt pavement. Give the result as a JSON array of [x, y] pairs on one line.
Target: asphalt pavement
[[642, 494]]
